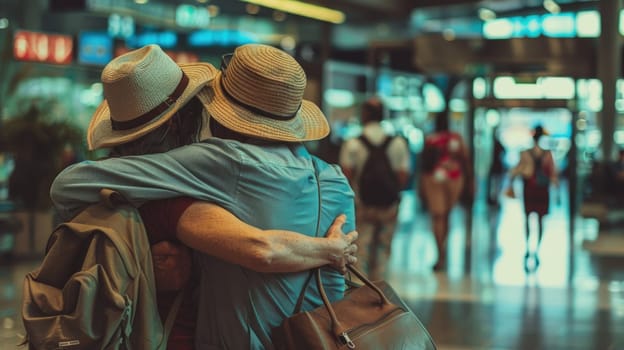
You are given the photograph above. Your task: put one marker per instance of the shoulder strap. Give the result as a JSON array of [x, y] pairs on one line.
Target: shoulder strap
[[365, 141], [369, 145], [171, 316], [387, 141], [113, 199]]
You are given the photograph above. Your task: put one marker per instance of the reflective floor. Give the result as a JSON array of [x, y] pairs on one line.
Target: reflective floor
[[485, 299]]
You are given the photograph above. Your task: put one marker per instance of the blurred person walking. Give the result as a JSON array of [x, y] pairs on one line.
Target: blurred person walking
[[377, 166], [446, 179], [538, 172], [497, 170]]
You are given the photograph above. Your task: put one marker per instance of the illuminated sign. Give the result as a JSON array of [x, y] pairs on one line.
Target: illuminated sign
[[166, 39], [42, 47], [120, 26], [95, 48], [190, 16], [223, 37]]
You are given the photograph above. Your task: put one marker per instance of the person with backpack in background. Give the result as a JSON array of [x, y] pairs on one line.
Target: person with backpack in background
[[538, 171], [377, 166], [445, 180]]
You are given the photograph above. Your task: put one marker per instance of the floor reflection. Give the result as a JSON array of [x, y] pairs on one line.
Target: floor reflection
[[486, 299]]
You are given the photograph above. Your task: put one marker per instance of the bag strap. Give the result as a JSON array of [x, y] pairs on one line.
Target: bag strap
[[113, 199], [337, 327], [171, 316], [318, 222]]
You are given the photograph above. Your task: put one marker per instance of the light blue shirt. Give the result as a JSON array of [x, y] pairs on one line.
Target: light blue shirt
[[268, 186]]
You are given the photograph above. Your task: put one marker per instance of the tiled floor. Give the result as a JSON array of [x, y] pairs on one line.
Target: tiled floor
[[485, 300]]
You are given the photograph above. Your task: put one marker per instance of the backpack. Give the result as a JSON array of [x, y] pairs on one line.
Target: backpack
[[95, 287], [378, 184], [540, 177]]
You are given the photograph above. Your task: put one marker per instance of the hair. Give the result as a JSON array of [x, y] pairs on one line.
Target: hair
[[538, 132], [221, 131], [182, 129], [372, 110]]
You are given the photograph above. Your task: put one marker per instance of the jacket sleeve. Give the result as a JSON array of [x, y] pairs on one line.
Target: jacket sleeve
[[205, 174]]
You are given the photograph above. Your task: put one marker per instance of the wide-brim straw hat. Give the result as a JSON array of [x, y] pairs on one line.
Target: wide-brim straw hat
[[142, 90], [259, 92]]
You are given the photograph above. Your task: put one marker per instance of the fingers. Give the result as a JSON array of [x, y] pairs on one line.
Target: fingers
[[166, 248], [351, 249], [351, 236], [336, 226], [351, 260]]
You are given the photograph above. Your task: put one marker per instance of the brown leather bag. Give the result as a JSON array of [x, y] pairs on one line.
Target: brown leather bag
[[371, 316]]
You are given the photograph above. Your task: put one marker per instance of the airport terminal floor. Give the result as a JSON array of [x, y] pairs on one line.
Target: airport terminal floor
[[485, 299]]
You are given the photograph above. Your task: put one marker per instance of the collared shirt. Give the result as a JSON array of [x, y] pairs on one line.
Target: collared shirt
[[268, 186]]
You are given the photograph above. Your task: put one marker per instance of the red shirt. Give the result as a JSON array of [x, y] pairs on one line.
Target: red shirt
[[161, 219], [447, 146]]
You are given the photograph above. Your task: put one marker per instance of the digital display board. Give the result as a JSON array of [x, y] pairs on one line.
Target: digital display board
[[43, 47], [95, 48]]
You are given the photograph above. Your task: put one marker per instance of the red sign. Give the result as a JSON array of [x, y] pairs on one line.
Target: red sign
[[43, 47]]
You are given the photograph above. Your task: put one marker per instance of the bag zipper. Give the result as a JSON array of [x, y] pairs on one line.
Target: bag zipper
[[346, 336]]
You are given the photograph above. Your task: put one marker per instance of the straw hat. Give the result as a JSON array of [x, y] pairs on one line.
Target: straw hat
[[142, 90], [259, 92]]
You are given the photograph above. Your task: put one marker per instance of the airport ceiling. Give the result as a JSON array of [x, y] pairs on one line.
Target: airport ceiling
[[360, 11]]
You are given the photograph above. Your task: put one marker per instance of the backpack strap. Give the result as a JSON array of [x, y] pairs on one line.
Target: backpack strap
[[384, 145], [171, 316], [113, 199]]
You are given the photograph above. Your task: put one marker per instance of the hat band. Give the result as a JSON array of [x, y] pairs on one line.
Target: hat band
[[154, 112], [257, 110]]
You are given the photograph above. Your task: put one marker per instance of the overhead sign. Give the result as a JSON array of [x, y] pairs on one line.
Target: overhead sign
[[190, 16], [95, 48], [42, 47]]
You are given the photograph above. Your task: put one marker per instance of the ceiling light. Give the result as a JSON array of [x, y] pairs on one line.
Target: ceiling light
[[552, 7], [486, 14], [303, 9]]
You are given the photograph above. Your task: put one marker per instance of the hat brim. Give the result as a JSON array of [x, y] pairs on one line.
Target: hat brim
[[308, 124], [100, 133]]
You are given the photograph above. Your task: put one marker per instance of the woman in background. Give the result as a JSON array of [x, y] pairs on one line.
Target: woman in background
[[446, 178]]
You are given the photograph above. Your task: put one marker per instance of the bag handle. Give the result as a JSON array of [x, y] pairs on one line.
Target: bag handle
[[337, 327]]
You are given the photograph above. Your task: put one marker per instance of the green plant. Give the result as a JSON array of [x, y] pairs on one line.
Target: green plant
[[37, 145]]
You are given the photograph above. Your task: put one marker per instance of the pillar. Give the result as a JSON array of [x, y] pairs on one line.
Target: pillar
[[608, 71]]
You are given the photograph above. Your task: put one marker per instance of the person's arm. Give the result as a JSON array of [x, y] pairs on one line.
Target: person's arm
[[215, 231], [183, 171], [552, 169], [172, 263], [347, 159], [401, 161]]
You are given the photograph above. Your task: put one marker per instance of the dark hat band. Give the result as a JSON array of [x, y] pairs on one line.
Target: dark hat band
[[154, 112], [253, 109]]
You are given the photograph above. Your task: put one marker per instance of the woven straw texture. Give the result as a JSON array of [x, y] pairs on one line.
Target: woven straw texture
[[260, 87], [135, 83]]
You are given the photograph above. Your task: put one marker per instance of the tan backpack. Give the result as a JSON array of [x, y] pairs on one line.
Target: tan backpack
[[95, 288]]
